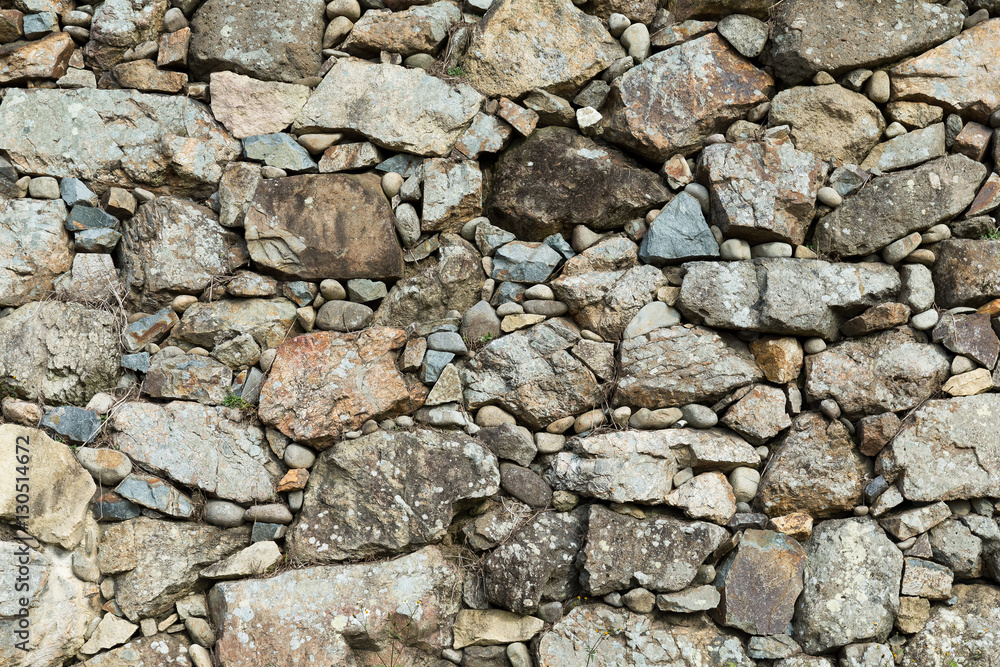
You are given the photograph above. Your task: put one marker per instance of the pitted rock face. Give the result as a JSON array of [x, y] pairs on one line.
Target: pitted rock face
[[34, 248], [389, 492], [269, 321], [964, 631]]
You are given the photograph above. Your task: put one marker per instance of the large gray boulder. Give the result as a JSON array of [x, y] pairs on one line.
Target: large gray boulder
[[808, 36], [342, 614], [947, 449], [61, 352], [389, 492], [393, 107], [269, 321], [558, 178], [851, 592], [34, 248], [679, 233], [786, 296], [117, 26], [200, 447], [162, 143], [965, 631]]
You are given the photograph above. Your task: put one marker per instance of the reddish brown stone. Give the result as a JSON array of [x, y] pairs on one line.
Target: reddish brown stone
[[973, 141], [987, 199], [324, 226], [967, 272], [294, 480], [779, 358], [11, 25], [47, 58], [759, 583], [324, 384], [521, 119], [970, 334], [877, 318], [876, 431], [173, 50], [992, 308], [143, 75]]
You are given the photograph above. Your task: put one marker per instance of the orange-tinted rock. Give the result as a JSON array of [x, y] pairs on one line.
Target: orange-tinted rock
[[960, 75], [967, 272], [759, 583], [143, 75], [294, 480], [988, 197], [323, 384], [876, 431], [11, 25], [173, 49], [324, 226], [419, 29], [670, 102], [779, 358], [796, 525], [877, 318], [973, 140], [992, 308], [47, 58]]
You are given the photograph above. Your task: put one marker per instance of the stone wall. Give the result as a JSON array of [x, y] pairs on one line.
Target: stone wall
[[512, 333]]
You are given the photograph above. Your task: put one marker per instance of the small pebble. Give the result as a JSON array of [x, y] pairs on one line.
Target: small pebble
[[699, 416], [617, 23], [735, 249], [861, 510], [829, 197], [699, 192], [391, 184], [961, 365], [925, 320], [775, 249], [894, 130], [814, 345], [829, 407]]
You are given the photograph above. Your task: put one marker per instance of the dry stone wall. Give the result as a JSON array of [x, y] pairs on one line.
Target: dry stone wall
[[499, 333]]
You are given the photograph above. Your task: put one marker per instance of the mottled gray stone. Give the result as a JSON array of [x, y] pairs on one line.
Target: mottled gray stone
[[77, 424], [34, 248], [278, 150], [678, 233]]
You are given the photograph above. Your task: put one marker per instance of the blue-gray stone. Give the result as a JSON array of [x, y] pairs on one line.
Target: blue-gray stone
[[77, 424], [40, 24], [278, 150], [136, 362], [678, 234], [156, 494], [522, 261], [403, 164], [300, 292], [266, 532], [434, 363], [560, 245], [249, 390], [447, 341], [96, 240], [508, 292], [362, 290], [74, 191], [112, 507], [82, 216]]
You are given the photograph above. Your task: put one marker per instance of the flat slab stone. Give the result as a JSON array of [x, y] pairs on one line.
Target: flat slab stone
[[161, 143], [267, 320], [785, 296], [198, 446]]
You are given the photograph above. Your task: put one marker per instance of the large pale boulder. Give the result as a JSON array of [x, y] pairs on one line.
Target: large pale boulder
[[269, 321], [34, 248], [249, 107]]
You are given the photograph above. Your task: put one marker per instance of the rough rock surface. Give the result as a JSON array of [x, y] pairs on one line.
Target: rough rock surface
[[389, 492], [962, 632], [557, 178], [34, 249], [967, 272], [132, 138], [667, 104], [269, 321]]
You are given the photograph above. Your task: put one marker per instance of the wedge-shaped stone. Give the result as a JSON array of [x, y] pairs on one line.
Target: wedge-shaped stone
[[888, 371], [623, 552], [321, 226], [248, 107], [323, 384], [946, 449], [958, 75], [670, 102], [908, 150], [677, 365], [391, 106], [46, 58], [200, 447], [808, 36], [163, 143], [267, 320], [558, 50], [190, 377], [341, 615], [34, 248], [531, 374], [894, 205], [786, 296]]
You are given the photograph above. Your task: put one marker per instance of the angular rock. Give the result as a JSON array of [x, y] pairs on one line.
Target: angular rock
[[829, 121], [946, 450], [925, 579], [155, 563], [56, 512], [898, 204], [420, 481], [762, 191], [668, 104], [518, 575], [267, 320], [34, 249], [327, 620], [279, 150], [246, 106], [110, 632], [759, 582], [622, 551], [419, 29], [291, 222], [173, 247], [605, 286], [143, 75], [785, 296], [486, 134], [970, 335], [403, 109], [189, 377], [558, 178], [155, 494], [198, 446], [62, 351], [760, 415], [851, 590], [255, 560], [74, 423], [967, 272], [225, 36], [707, 496], [694, 599], [524, 262], [46, 58], [531, 374], [679, 233], [168, 648], [807, 35], [162, 143], [779, 358], [677, 365], [558, 51], [964, 631], [955, 75], [957, 547], [236, 190], [815, 469], [908, 150], [886, 372], [349, 157], [119, 25], [453, 194], [637, 639], [312, 393]]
